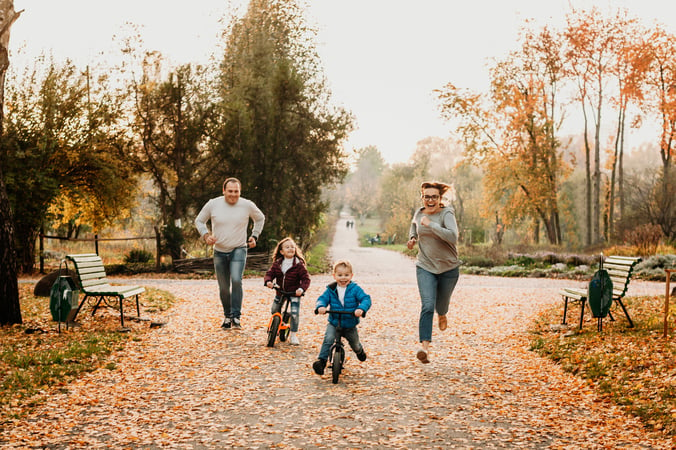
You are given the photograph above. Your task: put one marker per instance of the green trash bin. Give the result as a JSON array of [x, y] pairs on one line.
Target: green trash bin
[[64, 299]]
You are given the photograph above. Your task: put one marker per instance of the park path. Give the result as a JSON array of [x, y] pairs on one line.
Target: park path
[[192, 385]]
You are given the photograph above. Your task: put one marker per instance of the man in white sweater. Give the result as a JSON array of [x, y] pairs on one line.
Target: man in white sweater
[[229, 215]]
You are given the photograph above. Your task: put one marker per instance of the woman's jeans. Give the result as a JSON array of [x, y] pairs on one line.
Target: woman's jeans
[[294, 309], [350, 334], [229, 269], [435, 294]]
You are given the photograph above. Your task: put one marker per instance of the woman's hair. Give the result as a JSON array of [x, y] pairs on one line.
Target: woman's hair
[[277, 253], [342, 263], [438, 185]]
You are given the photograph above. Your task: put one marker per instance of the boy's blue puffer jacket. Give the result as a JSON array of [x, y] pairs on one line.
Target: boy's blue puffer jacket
[[355, 298]]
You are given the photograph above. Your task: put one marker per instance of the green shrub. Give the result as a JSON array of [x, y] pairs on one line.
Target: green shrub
[[138, 256]]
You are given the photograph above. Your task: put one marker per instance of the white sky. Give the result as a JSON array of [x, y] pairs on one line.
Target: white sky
[[383, 58]]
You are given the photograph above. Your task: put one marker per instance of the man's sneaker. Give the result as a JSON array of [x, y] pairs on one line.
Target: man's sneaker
[[318, 366], [293, 339], [227, 324], [361, 355], [235, 324]]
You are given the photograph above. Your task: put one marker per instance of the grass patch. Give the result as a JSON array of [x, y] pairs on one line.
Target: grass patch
[[35, 359], [632, 366]]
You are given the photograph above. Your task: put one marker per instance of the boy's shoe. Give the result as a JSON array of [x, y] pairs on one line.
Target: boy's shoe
[[318, 366], [361, 355], [293, 339], [443, 322], [227, 324], [235, 323], [422, 356]]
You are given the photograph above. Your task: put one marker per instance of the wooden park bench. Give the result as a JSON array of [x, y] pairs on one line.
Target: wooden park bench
[[93, 282], [620, 269]]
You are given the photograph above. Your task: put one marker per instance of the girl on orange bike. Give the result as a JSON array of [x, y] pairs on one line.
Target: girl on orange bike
[[289, 273]]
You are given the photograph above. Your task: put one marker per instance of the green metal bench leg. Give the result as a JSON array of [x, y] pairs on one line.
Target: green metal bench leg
[[626, 313], [565, 309], [583, 300], [121, 312], [138, 308]]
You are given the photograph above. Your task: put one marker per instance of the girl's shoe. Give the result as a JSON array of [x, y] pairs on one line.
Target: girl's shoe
[[422, 356], [293, 339]]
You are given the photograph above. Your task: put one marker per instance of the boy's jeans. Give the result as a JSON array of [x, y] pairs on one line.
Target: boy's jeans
[[435, 294], [229, 269], [350, 334]]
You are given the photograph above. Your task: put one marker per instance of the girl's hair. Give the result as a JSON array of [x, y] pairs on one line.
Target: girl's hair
[[342, 263], [277, 253]]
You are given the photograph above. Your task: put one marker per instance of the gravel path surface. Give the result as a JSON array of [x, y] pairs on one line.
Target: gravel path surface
[[192, 385]]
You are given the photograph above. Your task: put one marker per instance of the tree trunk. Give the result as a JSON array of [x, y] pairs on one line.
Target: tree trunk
[[10, 309]]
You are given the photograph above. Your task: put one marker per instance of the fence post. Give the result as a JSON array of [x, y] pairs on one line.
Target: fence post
[[42, 250], [158, 245]]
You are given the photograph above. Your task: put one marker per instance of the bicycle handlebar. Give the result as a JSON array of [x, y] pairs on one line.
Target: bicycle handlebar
[[347, 313], [290, 294]]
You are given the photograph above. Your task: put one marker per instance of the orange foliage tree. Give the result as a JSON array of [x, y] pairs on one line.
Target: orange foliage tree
[[513, 133]]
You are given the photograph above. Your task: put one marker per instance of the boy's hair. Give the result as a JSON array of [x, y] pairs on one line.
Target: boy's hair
[[277, 253], [342, 263]]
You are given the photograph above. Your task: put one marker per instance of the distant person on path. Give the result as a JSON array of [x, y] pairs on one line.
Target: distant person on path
[[435, 231], [342, 295], [229, 216], [288, 271]]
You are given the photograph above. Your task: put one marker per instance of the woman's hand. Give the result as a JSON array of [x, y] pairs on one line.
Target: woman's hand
[[425, 221], [411, 243]]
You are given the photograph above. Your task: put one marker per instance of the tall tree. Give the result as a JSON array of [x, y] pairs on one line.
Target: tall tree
[[590, 55], [363, 183], [512, 134], [61, 136], [172, 117], [10, 309], [279, 132], [656, 66]]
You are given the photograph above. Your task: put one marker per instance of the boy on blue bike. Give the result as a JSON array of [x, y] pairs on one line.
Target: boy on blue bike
[[342, 295]]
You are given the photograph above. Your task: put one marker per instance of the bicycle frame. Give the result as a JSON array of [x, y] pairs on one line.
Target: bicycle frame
[[280, 320]]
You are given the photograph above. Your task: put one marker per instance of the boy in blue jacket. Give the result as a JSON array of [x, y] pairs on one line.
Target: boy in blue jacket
[[343, 295]]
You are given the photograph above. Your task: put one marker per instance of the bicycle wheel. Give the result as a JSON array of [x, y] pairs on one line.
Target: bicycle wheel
[[337, 365], [272, 330], [283, 334]]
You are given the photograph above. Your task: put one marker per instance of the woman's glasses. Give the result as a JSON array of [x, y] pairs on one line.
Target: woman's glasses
[[430, 197]]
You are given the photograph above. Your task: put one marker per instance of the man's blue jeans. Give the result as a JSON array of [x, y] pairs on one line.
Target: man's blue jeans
[[435, 294], [229, 269]]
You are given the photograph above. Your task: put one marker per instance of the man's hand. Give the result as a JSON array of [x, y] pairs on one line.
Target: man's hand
[[252, 242], [210, 239]]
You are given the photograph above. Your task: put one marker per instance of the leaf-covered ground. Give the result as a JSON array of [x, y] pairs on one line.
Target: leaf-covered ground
[[190, 384]]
